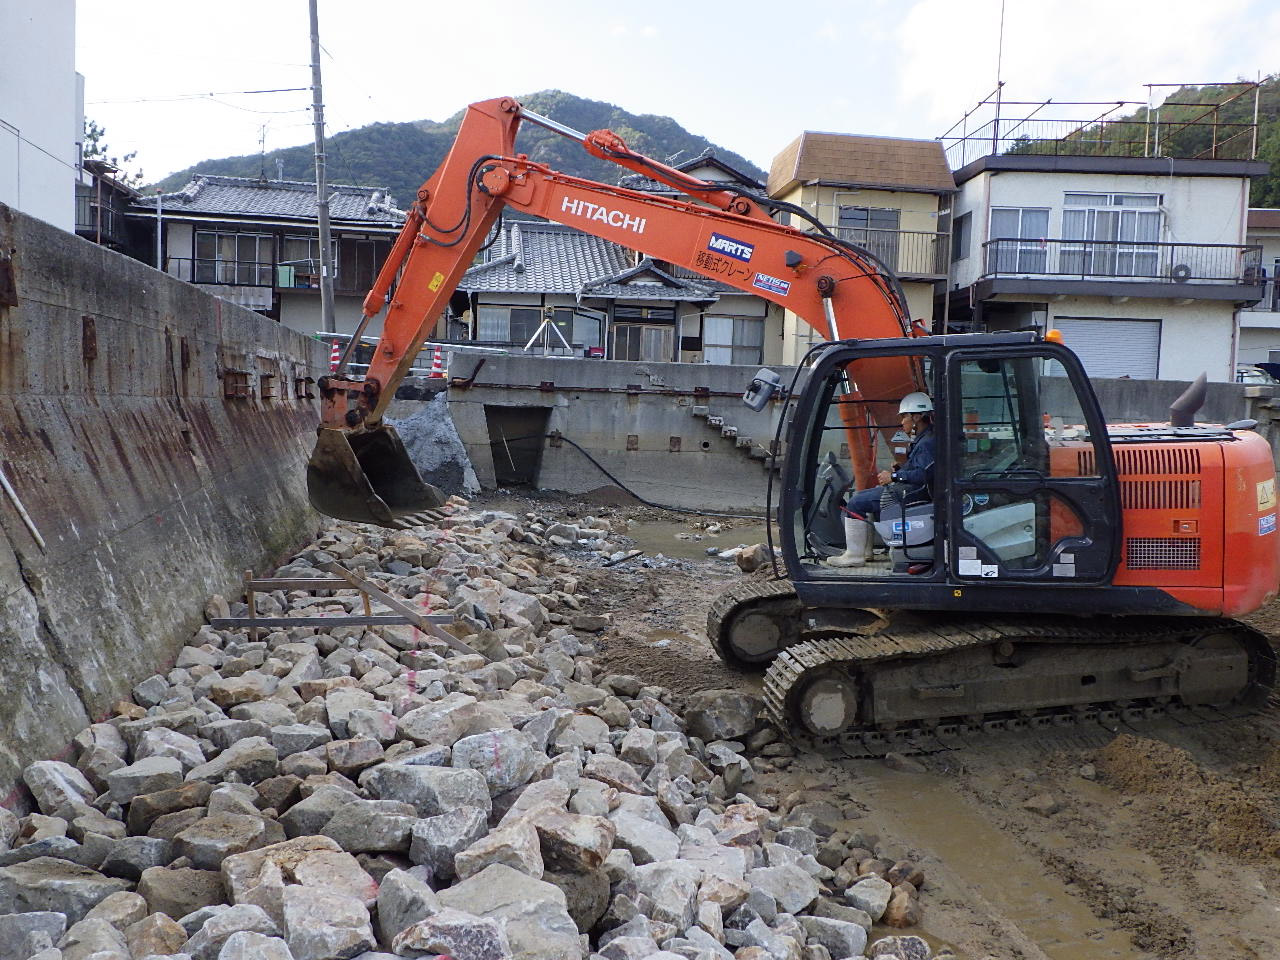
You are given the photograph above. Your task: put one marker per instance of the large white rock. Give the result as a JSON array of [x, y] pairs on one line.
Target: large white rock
[[648, 842], [322, 926], [673, 887], [870, 895], [207, 942], [537, 922], [506, 758], [517, 846], [46, 883], [57, 786], [790, 886], [403, 899], [458, 934], [431, 790]]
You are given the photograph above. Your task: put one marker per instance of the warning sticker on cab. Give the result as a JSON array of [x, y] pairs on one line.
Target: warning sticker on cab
[[1267, 494], [1266, 524]]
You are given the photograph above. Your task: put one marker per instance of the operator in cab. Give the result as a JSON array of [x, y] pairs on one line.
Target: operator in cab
[[916, 475]]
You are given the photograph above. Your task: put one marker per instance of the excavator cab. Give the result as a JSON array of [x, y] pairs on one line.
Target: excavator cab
[[1022, 489]]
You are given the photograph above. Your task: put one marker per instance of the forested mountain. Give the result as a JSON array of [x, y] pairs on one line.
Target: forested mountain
[[402, 155]]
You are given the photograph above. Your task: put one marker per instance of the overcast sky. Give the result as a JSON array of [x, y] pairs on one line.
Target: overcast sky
[[162, 77]]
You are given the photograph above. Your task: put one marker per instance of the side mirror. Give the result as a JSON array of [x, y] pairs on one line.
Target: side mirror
[[761, 389]]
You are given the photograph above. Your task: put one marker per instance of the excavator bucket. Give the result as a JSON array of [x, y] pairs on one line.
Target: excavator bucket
[[368, 477]]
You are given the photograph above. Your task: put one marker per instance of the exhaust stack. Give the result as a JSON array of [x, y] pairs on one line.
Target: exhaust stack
[[1182, 412]]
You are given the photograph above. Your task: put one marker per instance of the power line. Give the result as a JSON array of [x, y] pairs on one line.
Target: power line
[[198, 96]]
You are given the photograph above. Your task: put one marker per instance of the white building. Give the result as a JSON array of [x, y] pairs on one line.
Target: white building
[[41, 109], [1140, 260], [1260, 322]]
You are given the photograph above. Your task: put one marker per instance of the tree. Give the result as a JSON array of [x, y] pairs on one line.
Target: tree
[[95, 147]]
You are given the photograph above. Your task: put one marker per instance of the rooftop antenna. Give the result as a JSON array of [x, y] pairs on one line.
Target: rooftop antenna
[[322, 188], [995, 135], [262, 152]]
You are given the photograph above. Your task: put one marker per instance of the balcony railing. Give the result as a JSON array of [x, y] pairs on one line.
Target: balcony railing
[[98, 221], [1183, 125], [238, 273], [1218, 263], [905, 252], [293, 275], [1270, 302]]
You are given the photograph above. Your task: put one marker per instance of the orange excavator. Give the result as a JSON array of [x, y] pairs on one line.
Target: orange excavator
[[1049, 570]]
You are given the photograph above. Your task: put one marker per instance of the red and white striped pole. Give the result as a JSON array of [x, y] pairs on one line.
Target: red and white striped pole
[[334, 356]]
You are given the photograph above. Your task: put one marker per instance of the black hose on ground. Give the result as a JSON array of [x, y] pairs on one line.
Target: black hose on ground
[[648, 503]]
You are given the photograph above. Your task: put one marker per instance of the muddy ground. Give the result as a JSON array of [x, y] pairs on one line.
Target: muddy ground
[[1155, 843]]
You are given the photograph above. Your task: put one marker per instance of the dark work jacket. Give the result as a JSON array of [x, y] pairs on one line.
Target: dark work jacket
[[917, 472]]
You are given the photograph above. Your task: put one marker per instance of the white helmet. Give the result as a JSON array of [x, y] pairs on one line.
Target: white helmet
[[916, 403]]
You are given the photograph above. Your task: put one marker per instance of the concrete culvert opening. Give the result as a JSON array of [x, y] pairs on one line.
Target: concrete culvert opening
[[516, 439]]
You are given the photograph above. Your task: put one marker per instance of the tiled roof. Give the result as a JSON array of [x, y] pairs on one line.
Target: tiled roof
[[535, 256], [660, 285], [532, 256], [244, 196], [858, 161], [1264, 218]]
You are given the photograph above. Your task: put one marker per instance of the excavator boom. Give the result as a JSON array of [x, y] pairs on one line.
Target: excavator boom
[[360, 471]]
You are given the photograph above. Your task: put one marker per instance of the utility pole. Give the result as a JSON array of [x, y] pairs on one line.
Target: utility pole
[[322, 188]]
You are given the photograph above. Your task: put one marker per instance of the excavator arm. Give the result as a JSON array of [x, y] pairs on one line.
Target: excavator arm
[[359, 470]]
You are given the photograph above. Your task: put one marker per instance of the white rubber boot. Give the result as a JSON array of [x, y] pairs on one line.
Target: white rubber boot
[[855, 544]]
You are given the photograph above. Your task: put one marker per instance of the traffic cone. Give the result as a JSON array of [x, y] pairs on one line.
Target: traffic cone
[[334, 356], [437, 364]]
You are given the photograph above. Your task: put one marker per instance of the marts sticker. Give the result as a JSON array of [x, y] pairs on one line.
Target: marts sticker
[[1266, 524], [772, 284], [1266, 494], [731, 247]]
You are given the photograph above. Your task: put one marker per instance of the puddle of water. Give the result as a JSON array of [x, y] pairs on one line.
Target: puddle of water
[[661, 639], [665, 537], [927, 812]]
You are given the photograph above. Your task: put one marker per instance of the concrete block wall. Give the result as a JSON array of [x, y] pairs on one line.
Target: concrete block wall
[[149, 488], [626, 415], [630, 431]]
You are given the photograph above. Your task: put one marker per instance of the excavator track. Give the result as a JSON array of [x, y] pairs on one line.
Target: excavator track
[[834, 678], [775, 609]]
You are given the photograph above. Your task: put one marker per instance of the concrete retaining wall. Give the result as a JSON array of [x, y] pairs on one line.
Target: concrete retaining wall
[[629, 416], [637, 419], [150, 490]]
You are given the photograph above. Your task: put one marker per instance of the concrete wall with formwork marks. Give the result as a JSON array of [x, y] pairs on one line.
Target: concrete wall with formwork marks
[[149, 489], [649, 424]]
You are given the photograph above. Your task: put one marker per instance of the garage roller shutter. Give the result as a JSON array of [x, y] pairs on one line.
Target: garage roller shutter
[[1114, 348]]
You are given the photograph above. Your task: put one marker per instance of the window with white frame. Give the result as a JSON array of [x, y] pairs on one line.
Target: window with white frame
[[1119, 233], [506, 324], [732, 339], [1018, 240]]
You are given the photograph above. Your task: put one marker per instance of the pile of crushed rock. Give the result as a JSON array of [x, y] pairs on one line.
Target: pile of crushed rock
[[328, 793]]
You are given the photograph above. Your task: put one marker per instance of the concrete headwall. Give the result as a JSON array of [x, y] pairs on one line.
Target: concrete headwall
[[637, 419], [149, 489]]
